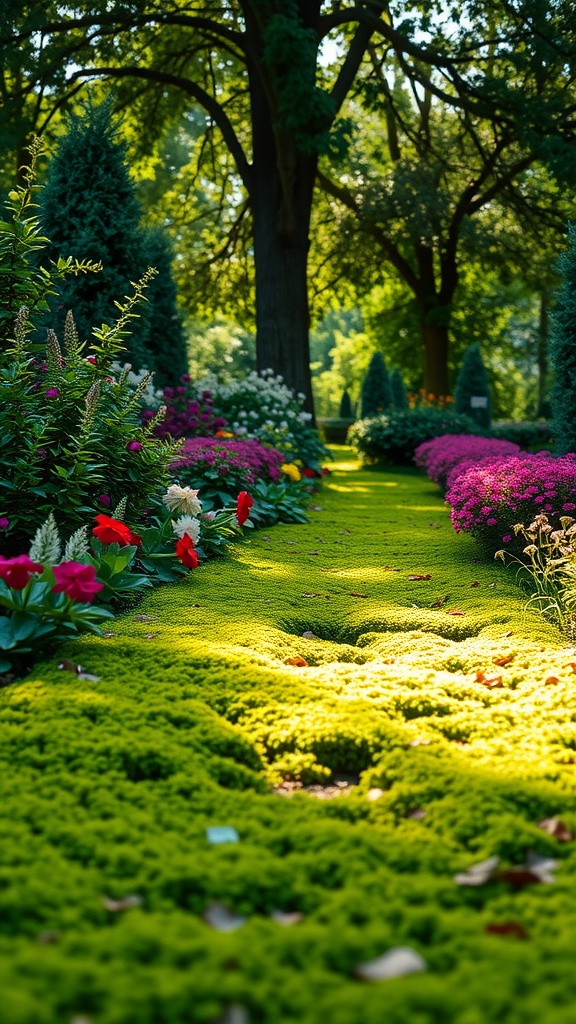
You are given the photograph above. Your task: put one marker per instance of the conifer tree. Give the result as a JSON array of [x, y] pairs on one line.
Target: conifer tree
[[472, 383], [376, 395], [346, 407], [166, 338], [89, 210], [399, 396], [563, 352]]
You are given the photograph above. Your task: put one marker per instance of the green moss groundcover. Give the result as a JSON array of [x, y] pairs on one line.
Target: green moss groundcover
[[365, 702]]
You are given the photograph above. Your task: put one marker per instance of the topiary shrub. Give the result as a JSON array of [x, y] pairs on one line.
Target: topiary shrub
[[346, 407], [399, 393], [376, 396], [392, 438], [563, 352], [472, 383]]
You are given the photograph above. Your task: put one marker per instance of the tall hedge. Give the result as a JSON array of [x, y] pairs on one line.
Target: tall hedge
[[563, 352], [376, 394], [399, 396], [472, 382]]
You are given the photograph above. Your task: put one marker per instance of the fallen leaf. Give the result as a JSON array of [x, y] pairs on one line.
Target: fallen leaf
[[265, 538], [536, 868], [315, 508], [374, 794], [419, 742], [475, 584], [556, 828], [439, 602], [434, 526], [108, 635], [416, 577], [69, 666], [287, 918], [311, 595], [353, 593], [572, 665], [126, 903], [313, 552], [347, 532], [454, 611], [150, 636], [550, 680], [509, 633], [478, 874], [143, 618], [234, 1014], [492, 682], [503, 659], [89, 678], [511, 928], [309, 635], [416, 815], [218, 917], [297, 661], [394, 964]]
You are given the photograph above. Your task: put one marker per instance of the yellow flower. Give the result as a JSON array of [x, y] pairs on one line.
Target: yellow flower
[[291, 470]]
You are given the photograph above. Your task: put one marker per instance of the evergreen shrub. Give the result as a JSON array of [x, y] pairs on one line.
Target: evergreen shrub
[[563, 352], [399, 393], [531, 434], [392, 438], [376, 395], [345, 412], [472, 382]]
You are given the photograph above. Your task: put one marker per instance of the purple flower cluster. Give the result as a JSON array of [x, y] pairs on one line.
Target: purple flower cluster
[[186, 416], [444, 454], [247, 460], [489, 497]]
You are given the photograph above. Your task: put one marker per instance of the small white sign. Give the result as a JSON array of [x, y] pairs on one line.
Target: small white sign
[[479, 402]]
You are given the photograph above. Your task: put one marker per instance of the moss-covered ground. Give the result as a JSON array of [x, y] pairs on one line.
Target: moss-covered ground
[[195, 719]]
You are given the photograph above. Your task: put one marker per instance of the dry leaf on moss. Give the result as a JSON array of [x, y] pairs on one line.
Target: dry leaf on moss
[[297, 661], [556, 828], [117, 906], [309, 635], [492, 682], [550, 680], [503, 659], [394, 964], [416, 577], [511, 928], [478, 874], [454, 611], [440, 602]]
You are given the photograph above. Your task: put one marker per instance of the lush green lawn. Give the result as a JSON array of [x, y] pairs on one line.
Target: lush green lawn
[[107, 787]]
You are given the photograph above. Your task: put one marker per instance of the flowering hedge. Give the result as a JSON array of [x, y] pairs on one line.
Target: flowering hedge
[[442, 454], [489, 498], [246, 461], [391, 438]]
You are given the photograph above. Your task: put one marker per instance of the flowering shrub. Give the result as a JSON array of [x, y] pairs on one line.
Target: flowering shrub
[[423, 399], [442, 454], [261, 407], [186, 416], [489, 498], [392, 438]]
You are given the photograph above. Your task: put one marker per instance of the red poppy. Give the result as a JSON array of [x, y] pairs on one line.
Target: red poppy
[[111, 531], [77, 581], [244, 503], [17, 571], [186, 553], [308, 472]]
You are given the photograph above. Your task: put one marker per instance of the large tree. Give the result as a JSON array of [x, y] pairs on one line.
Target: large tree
[[254, 67]]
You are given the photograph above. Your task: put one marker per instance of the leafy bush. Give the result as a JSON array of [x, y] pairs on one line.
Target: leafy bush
[[490, 498], [442, 454], [376, 395], [261, 407], [530, 434], [472, 383], [346, 407], [399, 393], [392, 438], [563, 351]]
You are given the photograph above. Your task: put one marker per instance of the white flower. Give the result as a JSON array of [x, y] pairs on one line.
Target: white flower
[[189, 525], [182, 499]]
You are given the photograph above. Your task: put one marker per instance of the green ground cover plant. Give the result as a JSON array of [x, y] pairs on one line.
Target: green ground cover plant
[[365, 700]]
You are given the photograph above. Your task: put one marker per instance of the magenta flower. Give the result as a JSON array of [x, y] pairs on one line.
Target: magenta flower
[[52, 393], [16, 572], [104, 499], [77, 581], [133, 446], [4, 523]]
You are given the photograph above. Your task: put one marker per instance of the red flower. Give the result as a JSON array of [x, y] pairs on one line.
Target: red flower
[[91, 359], [244, 503], [111, 531], [77, 581], [186, 553], [17, 571], [308, 472]]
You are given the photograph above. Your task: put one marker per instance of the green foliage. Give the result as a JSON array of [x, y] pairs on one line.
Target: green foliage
[[472, 382], [392, 438], [533, 435], [376, 396], [399, 394], [563, 352], [24, 281], [345, 412], [90, 209]]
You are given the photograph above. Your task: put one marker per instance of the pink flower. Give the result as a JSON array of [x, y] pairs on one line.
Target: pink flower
[[4, 523], [17, 571], [77, 581], [52, 393], [104, 499], [133, 446], [506, 538]]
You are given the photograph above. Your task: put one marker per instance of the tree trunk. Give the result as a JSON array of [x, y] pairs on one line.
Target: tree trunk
[[435, 340]]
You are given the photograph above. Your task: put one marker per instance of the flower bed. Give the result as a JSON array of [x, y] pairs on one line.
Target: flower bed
[[442, 454], [489, 498]]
